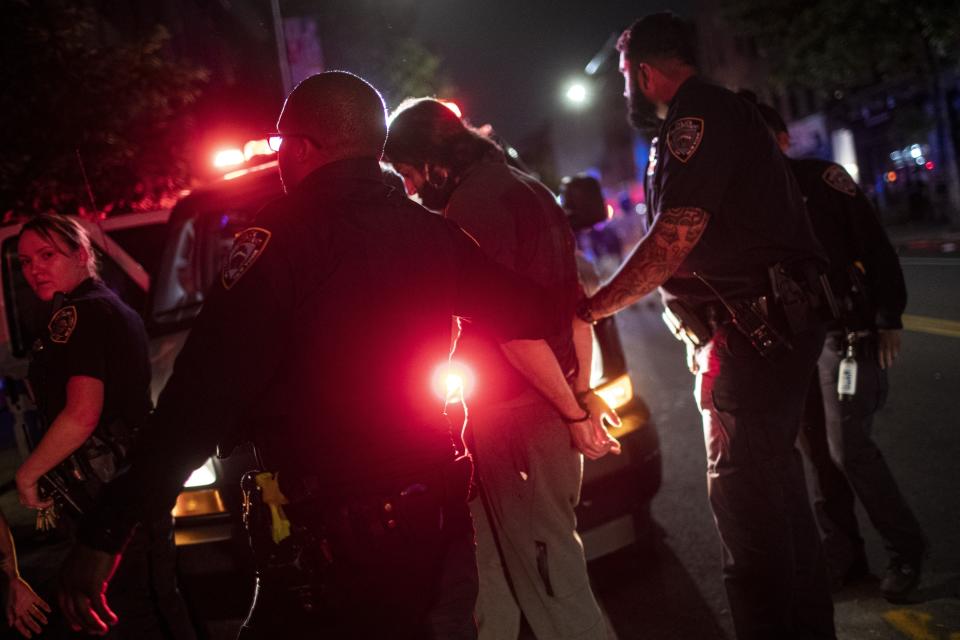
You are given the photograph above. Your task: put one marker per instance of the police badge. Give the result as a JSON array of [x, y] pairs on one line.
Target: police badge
[[247, 247], [838, 178], [684, 137], [62, 324]]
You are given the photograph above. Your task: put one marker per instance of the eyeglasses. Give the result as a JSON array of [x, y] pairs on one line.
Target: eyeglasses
[[274, 140]]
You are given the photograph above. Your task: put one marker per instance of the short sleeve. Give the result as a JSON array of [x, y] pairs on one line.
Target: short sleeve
[[80, 332], [696, 160]]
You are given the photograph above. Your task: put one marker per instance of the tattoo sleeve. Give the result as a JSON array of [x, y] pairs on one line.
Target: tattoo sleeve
[[656, 258]]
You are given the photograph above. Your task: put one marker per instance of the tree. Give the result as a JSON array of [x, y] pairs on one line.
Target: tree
[[79, 99], [840, 46]]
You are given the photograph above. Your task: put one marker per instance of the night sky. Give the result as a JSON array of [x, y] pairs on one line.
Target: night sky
[[510, 59]]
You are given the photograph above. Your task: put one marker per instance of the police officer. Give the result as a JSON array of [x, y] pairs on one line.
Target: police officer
[[530, 557], [728, 223], [90, 378], [868, 284], [320, 340]]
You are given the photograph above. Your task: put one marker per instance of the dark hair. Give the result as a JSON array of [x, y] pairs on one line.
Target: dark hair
[[60, 230], [659, 36], [341, 110], [424, 131], [770, 115]]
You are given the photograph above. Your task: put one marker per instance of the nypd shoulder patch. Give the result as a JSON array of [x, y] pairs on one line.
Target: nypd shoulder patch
[[248, 245], [62, 324], [838, 178], [684, 137]]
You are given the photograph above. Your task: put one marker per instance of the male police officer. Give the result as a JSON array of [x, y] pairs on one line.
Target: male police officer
[[868, 284], [731, 247], [530, 556], [320, 339]]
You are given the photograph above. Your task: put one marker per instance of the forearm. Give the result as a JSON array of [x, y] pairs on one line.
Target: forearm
[[535, 361], [64, 436], [654, 260], [8, 553], [583, 343]]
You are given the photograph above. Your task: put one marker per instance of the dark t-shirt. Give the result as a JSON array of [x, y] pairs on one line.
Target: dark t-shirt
[[848, 228], [518, 223], [320, 341], [93, 333], [714, 152]]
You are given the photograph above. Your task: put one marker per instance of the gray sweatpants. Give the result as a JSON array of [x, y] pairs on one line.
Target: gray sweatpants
[[528, 551]]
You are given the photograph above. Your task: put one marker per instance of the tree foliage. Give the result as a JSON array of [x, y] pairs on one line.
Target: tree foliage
[[74, 90], [846, 44]]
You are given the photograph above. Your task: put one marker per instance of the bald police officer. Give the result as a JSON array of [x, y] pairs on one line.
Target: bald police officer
[[320, 339], [735, 256]]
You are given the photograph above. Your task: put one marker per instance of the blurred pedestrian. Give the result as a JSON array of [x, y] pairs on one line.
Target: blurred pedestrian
[[530, 557], [734, 255]]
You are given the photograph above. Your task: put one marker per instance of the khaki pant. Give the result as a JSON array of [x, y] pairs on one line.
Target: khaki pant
[[529, 554]]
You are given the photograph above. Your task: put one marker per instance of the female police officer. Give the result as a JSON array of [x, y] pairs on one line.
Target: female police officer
[[90, 378]]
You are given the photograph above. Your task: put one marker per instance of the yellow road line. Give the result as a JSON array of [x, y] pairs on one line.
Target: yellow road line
[[936, 326], [913, 624]]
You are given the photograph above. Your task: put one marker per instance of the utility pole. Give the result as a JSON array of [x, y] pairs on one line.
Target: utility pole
[[281, 41]]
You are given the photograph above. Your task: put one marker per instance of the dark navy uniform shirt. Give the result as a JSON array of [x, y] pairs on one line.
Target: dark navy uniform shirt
[[714, 152], [93, 333], [517, 222], [321, 342], [850, 231]]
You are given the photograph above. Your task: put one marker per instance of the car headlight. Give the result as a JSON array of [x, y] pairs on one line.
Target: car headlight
[[203, 476], [616, 393]]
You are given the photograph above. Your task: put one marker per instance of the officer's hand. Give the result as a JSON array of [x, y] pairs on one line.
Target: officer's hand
[[83, 589], [25, 609], [888, 347], [29, 494]]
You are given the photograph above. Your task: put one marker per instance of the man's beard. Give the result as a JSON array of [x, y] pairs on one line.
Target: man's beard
[[435, 198], [641, 113]]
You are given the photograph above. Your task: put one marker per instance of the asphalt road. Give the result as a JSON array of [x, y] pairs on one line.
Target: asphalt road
[[676, 592]]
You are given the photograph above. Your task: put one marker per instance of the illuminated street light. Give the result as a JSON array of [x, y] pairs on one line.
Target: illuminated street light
[[577, 93]]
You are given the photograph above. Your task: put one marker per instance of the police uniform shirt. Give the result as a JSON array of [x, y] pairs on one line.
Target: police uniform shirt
[[715, 153], [321, 342], [518, 223], [93, 333], [848, 228]]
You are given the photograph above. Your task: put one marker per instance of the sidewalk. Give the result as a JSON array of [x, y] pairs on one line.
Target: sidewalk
[[925, 239]]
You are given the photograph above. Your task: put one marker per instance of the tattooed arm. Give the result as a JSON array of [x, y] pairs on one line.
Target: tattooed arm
[[672, 237]]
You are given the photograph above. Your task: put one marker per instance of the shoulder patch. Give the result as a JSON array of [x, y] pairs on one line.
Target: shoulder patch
[[684, 137], [62, 324], [838, 178], [247, 247]]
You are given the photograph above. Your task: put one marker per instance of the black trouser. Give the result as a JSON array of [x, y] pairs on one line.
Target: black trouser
[[773, 565], [845, 456], [406, 572]]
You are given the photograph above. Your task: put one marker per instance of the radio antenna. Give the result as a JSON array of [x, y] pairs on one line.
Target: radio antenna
[[93, 202]]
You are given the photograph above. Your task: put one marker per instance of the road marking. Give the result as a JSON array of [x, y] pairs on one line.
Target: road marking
[[913, 624], [930, 262], [936, 326]]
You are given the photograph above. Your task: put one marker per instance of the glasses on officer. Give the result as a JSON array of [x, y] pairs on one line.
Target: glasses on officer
[[274, 140]]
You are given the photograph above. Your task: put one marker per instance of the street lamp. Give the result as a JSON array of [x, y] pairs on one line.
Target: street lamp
[[577, 93]]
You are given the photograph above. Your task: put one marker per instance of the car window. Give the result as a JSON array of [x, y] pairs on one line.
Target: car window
[[27, 315], [198, 245], [143, 243]]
